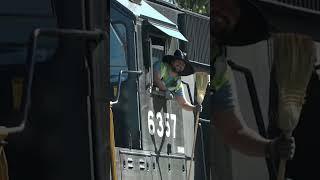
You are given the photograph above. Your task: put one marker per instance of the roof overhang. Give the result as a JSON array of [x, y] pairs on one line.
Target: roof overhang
[[154, 18], [290, 19], [169, 30]]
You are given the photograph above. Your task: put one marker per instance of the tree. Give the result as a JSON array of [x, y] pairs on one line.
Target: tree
[[198, 6]]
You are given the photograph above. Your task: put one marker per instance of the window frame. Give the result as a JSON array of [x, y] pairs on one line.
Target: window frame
[[113, 27]]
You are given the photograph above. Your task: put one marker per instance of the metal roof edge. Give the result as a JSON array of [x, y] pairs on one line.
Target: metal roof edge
[[290, 7], [120, 6]]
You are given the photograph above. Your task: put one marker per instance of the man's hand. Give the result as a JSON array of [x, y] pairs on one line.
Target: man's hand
[[168, 94], [197, 108], [281, 147]]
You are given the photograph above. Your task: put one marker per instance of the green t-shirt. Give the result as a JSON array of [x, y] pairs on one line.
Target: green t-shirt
[[173, 84]]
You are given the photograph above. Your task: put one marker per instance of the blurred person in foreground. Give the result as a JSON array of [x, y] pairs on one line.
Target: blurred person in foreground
[[238, 22]]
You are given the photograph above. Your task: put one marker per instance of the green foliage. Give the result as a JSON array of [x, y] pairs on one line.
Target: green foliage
[[198, 6]]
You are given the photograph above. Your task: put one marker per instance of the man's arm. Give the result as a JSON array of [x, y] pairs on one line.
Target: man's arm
[[228, 120], [158, 82], [184, 103], [236, 133]]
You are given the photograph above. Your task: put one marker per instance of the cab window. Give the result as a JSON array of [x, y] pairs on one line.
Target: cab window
[[118, 52], [158, 49]]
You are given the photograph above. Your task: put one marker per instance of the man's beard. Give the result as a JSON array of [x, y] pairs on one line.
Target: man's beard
[[175, 70]]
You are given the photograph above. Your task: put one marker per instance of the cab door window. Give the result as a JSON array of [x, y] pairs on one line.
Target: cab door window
[[157, 49], [118, 52]]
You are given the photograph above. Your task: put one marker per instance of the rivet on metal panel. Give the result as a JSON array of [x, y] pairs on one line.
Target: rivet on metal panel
[[130, 163], [142, 164], [142, 167]]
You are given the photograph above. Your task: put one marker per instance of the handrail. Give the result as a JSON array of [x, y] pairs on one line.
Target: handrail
[[32, 47], [256, 108], [189, 91], [253, 96], [120, 82]]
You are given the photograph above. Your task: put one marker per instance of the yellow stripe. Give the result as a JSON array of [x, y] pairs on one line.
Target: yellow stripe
[[112, 148], [17, 90]]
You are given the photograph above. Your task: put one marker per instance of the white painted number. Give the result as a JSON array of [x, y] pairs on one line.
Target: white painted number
[[167, 125], [162, 121], [151, 123], [174, 119], [159, 117]]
